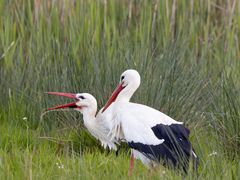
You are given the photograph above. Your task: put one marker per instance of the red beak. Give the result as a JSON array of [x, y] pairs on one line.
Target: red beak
[[69, 95], [68, 105], [113, 97]]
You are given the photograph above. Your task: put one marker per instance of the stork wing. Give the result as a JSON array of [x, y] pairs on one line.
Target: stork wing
[[150, 116], [153, 133]]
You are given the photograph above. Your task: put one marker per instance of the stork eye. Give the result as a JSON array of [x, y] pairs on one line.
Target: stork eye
[[122, 77], [81, 97]]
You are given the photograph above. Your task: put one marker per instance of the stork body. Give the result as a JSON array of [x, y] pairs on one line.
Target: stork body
[[98, 126], [153, 136]]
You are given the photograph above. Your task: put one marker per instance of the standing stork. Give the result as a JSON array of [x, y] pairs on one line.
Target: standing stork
[[153, 136], [98, 126]]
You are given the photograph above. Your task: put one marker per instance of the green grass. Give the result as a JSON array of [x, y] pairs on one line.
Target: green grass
[[25, 155], [189, 65]]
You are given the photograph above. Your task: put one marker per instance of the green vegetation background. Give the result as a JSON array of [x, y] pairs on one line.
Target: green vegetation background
[[187, 53]]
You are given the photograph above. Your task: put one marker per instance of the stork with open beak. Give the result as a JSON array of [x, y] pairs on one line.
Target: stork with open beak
[[154, 137], [98, 126]]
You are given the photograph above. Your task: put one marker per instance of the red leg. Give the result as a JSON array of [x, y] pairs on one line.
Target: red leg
[[131, 166]]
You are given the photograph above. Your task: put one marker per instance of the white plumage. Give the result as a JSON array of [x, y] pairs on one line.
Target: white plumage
[[98, 126], [153, 135]]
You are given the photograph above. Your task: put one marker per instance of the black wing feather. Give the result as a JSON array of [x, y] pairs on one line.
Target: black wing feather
[[175, 150]]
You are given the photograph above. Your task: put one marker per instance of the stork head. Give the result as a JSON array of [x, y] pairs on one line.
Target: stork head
[[84, 102], [129, 82]]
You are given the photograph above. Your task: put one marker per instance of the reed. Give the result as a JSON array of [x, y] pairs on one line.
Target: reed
[[187, 53]]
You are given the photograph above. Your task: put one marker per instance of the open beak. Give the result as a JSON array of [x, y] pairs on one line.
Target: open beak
[[68, 105], [114, 95]]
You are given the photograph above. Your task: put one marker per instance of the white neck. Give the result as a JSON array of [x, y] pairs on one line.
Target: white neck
[[126, 94], [88, 117], [88, 114], [89, 121]]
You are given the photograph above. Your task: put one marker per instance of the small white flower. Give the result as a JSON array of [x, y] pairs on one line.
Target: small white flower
[[60, 166], [24, 118], [214, 153]]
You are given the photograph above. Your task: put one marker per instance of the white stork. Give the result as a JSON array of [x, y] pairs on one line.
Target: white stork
[[153, 136], [98, 126]]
